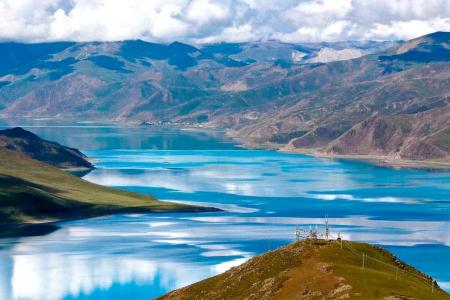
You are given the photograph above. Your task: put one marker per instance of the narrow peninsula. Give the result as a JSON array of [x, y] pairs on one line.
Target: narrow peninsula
[[34, 191]]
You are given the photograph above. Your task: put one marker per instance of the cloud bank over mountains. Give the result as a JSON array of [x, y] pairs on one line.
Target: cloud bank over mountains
[[206, 21]]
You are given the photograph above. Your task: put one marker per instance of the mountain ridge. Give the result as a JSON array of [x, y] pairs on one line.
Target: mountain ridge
[[65, 78], [263, 93]]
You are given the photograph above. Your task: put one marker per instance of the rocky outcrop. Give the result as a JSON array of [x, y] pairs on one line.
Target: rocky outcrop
[[375, 135], [317, 137], [411, 137], [420, 150]]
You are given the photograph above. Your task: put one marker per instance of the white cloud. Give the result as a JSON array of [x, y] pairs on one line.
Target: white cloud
[[204, 11], [220, 20], [232, 34], [320, 11], [407, 29]]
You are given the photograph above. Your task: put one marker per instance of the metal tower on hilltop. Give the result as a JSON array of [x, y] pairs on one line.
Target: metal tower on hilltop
[[327, 228]]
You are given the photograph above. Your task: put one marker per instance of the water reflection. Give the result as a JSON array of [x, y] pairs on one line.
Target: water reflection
[[147, 255], [267, 192], [242, 173], [107, 136], [55, 276], [264, 195]]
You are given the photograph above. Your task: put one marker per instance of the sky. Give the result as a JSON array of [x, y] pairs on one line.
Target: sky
[[210, 21]]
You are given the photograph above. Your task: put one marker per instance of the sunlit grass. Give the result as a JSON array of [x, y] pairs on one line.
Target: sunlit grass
[[317, 270], [32, 191]]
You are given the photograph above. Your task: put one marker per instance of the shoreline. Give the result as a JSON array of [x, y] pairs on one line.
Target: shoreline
[[380, 160], [386, 161], [44, 226], [377, 160]]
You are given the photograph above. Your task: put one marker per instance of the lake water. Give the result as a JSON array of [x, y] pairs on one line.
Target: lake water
[[264, 195]]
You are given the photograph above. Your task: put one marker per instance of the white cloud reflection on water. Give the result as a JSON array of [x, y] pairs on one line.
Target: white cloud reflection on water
[[65, 262], [332, 197], [412, 232], [164, 252], [233, 182], [191, 182], [256, 174], [215, 171], [54, 276]]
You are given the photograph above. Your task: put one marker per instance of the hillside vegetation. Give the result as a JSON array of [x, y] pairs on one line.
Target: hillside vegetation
[[317, 270], [32, 191]]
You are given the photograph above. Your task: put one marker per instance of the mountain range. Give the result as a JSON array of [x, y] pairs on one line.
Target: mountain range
[[140, 80], [380, 99]]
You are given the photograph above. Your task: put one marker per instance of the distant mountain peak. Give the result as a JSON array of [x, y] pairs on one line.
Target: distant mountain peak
[[436, 38], [182, 47], [432, 47], [439, 36]]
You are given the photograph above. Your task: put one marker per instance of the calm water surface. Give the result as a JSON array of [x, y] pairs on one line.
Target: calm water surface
[[264, 194]]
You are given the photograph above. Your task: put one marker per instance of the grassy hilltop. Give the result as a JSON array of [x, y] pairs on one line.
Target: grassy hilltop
[[317, 270]]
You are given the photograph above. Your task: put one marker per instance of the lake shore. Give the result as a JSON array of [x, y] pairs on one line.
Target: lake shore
[[264, 195], [379, 160], [34, 192], [46, 226]]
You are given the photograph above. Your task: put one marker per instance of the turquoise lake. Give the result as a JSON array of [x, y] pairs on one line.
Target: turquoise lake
[[264, 196]]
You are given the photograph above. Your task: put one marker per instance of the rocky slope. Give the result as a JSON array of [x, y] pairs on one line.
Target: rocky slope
[[136, 80], [26, 142], [273, 94], [394, 104], [317, 270], [418, 137]]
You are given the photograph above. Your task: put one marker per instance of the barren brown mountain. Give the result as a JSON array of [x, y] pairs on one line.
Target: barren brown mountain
[[391, 103]]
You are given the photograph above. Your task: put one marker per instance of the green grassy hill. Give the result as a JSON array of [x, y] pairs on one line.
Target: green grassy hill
[[317, 270], [32, 191]]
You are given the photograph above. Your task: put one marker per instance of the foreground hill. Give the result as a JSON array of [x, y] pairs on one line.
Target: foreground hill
[[317, 270], [26, 142], [32, 191]]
